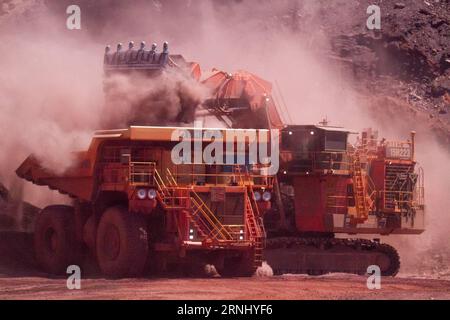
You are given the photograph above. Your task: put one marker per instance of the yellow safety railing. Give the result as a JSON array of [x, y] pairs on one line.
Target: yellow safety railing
[[238, 175], [371, 193], [201, 213], [141, 173], [399, 199], [319, 160], [419, 192], [359, 189], [255, 227], [208, 219]]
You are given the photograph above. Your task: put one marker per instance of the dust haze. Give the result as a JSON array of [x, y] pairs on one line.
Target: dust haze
[[51, 90], [136, 99]]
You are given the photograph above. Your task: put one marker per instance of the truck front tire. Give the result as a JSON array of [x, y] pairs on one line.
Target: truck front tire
[[122, 243]]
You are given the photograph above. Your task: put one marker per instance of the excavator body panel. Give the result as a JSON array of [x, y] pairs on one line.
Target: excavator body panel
[[339, 188]]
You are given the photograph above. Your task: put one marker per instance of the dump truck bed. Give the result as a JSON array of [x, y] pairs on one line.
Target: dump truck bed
[[76, 182]]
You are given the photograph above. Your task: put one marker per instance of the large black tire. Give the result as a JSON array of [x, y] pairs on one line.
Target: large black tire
[[54, 239], [122, 243]]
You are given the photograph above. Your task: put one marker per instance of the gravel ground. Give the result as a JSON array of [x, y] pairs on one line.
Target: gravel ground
[[20, 279], [336, 286]]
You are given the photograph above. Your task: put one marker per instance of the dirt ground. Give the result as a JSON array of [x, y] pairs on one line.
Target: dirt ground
[[20, 279], [282, 287]]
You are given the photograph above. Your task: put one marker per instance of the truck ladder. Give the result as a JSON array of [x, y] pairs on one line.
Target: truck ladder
[[203, 219], [362, 211], [171, 197], [256, 231]]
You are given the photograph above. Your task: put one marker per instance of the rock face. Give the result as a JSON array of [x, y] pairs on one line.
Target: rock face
[[412, 41], [15, 215], [411, 51], [441, 85]]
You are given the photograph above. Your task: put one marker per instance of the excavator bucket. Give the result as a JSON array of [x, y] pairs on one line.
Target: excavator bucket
[[146, 61], [132, 82], [242, 91]]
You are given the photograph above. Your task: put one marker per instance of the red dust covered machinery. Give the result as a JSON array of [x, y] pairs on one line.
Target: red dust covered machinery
[[326, 187], [135, 209], [329, 187]]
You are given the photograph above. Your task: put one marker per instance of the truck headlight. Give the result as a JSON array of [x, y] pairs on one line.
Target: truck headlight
[[152, 194], [266, 196], [141, 194], [257, 195]]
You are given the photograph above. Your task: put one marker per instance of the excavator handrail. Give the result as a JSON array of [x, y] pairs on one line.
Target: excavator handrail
[[240, 175], [316, 163]]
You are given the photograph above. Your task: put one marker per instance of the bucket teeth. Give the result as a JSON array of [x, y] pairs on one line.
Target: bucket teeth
[[134, 58]]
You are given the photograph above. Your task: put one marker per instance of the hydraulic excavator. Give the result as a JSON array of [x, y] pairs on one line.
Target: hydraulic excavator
[[327, 188]]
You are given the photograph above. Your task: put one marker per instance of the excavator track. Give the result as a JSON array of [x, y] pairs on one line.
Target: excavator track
[[316, 256]]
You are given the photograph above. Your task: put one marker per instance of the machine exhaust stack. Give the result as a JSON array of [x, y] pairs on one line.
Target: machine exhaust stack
[[413, 147]]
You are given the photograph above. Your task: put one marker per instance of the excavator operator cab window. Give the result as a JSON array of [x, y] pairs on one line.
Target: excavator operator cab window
[[314, 147], [300, 141], [333, 148], [335, 141]]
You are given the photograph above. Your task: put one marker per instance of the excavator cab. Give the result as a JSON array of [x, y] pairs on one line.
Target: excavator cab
[[308, 149]]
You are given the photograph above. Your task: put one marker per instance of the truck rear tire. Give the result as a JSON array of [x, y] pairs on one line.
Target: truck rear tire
[[122, 243], [54, 239]]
